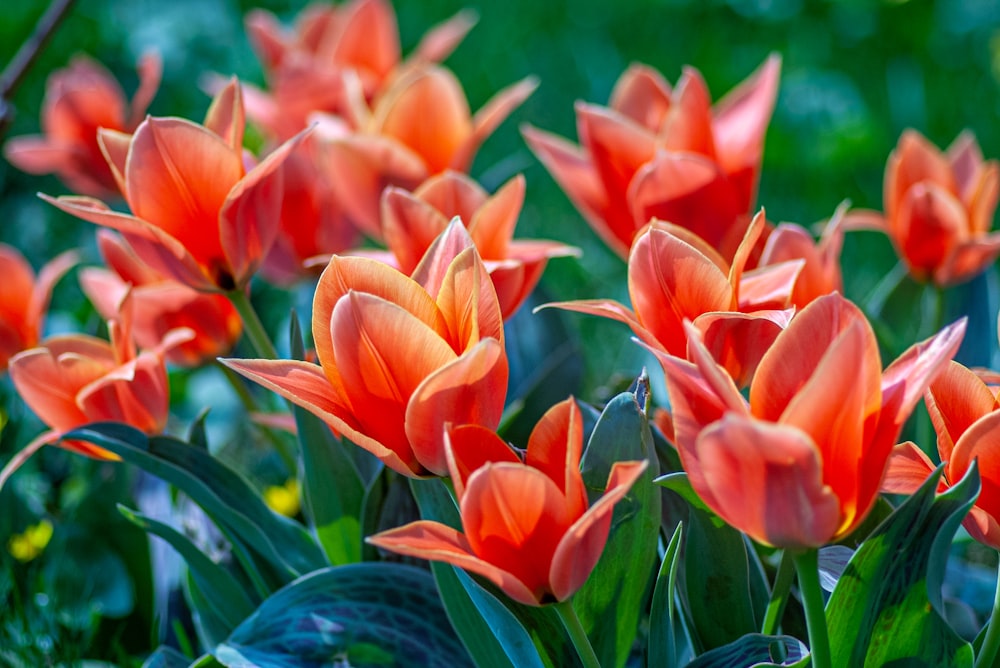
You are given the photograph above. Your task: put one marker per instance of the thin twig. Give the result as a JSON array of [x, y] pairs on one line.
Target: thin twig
[[18, 67]]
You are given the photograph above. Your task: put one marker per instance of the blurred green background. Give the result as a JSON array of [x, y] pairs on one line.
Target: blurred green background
[[855, 74]]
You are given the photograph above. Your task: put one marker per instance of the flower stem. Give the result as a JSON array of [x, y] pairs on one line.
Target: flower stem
[[252, 325], [779, 594], [570, 620], [991, 642], [807, 568]]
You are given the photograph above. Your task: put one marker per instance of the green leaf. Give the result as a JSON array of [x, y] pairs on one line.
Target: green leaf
[[611, 601], [222, 590], [663, 643], [756, 650], [371, 614], [887, 605], [222, 493], [210, 626], [85, 578], [724, 589], [680, 484], [489, 631], [166, 657]]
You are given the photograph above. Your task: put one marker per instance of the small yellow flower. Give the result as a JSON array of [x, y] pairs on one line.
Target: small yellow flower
[[284, 499], [28, 545]]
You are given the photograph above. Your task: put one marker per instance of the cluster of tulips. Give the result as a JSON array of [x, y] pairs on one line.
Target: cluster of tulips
[[780, 424]]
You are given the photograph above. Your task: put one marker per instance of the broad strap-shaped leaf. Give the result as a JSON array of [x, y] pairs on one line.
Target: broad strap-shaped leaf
[[663, 640], [887, 605], [221, 492], [610, 602], [489, 631], [368, 614], [757, 650], [166, 657], [222, 590]]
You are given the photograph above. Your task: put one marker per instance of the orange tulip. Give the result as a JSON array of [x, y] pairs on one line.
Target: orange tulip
[[307, 66], [800, 464], [411, 222], [73, 380], [417, 127], [400, 357], [667, 154], [79, 100], [965, 415], [160, 305], [199, 217], [820, 273], [528, 528], [939, 208], [24, 299], [673, 275]]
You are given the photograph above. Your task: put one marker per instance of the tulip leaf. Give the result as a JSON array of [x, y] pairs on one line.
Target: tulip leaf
[[488, 630], [611, 601], [166, 657], [284, 545], [357, 614], [887, 607], [663, 640], [209, 625], [723, 587], [757, 650], [222, 590], [680, 484]]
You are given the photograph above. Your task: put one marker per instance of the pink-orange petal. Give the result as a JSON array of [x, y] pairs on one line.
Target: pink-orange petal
[[555, 448], [225, 115], [409, 226], [642, 94], [489, 118], [955, 399], [909, 467], [467, 447]]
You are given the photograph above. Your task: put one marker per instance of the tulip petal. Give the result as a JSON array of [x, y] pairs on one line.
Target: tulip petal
[[908, 469], [436, 542], [914, 160], [136, 393], [607, 308], [468, 447], [968, 259], [980, 443], [773, 493], [955, 399], [572, 170], [555, 448], [439, 42], [489, 118], [738, 341], [150, 73], [225, 115], [935, 223], [114, 145], [468, 302], [467, 390], [492, 226], [771, 287], [982, 203], [305, 385], [365, 38], [581, 546], [688, 124], [643, 95], [48, 276], [409, 226]]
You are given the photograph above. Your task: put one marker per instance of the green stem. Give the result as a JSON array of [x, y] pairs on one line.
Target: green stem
[[807, 568], [570, 620], [252, 326], [988, 652], [880, 294], [779, 594], [250, 405]]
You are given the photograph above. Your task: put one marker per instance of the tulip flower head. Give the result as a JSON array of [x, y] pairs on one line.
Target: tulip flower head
[[73, 380], [24, 299], [800, 464], [307, 67], [665, 153], [160, 305], [939, 208], [966, 416], [674, 275], [411, 222], [198, 216], [417, 127], [80, 100], [527, 525], [400, 356]]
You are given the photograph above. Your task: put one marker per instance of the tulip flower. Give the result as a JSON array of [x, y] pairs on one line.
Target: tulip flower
[[79, 100], [199, 217], [75, 379], [965, 415], [306, 66], [411, 222], [800, 464], [24, 299], [417, 127], [527, 526], [820, 273], [673, 275], [939, 208], [667, 154], [400, 356], [160, 305]]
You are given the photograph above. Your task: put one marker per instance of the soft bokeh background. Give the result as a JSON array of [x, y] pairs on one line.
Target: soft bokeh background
[[855, 74]]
